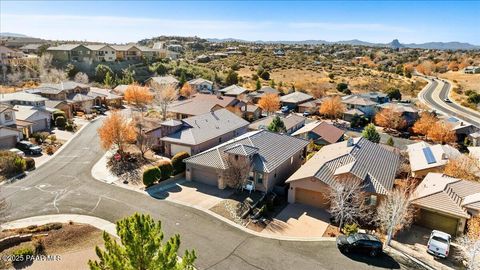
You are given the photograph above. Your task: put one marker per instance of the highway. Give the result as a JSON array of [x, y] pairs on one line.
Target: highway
[[434, 95]]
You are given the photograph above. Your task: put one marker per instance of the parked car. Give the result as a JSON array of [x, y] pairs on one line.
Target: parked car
[[447, 100], [305, 114], [360, 243], [17, 151], [29, 148], [439, 244], [284, 109], [99, 109]]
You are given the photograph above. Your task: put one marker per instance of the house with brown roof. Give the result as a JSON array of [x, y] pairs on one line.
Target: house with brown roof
[[356, 159], [255, 96], [270, 164], [446, 203], [233, 91], [199, 133], [202, 103], [320, 132]]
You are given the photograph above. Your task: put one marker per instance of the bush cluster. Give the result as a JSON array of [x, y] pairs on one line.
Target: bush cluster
[[151, 175], [177, 162]]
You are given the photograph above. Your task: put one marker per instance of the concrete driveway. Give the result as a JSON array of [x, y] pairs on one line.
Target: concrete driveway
[[192, 193], [298, 220]]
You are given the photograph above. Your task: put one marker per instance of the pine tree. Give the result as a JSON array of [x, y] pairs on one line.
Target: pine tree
[[277, 125], [390, 141], [183, 79], [109, 81], [371, 134], [141, 247]]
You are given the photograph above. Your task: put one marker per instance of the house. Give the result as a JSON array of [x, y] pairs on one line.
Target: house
[[292, 122], [31, 48], [105, 97], [311, 106], [127, 52], [446, 203], [9, 133], [102, 53], [425, 158], [356, 159], [461, 128], [233, 91], [162, 81], [320, 132], [377, 97], [199, 133], [70, 52], [408, 111], [358, 105], [251, 112], [120, 89], [292, 100], [23, 98], [270, 164], [39, 117], [7, 53], [472, 70], [474, 138], [60, 105], [201, 85], [202, 103], [255, 96]]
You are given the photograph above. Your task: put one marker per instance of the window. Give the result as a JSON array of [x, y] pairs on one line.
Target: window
[[371, 200], [259, 178], [8, 116], [251, 175]]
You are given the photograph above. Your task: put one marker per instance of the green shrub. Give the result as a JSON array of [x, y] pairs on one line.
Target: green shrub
[[19, 164], [40, 137], [60, 122], [52, 138], [58, 113], [349, 229], [151, 175], [310, 155], [23, 252], [29, 163], [177, 162], [69, 127], [166, 169]]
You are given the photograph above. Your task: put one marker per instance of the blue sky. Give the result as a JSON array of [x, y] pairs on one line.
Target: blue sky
[[130, 21]]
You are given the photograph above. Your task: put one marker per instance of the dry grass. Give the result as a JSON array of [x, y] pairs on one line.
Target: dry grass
[[465, 81]]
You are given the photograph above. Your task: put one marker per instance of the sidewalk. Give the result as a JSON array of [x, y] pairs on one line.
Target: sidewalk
[[98, 223]]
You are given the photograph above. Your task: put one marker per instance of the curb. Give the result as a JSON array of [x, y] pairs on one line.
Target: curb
[[415, 260], [229, 222]]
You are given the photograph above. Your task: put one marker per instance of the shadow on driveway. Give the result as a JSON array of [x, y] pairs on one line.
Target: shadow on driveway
[[383, 260]]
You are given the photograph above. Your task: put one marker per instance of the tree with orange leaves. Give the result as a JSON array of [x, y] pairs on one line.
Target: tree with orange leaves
[[390, 119], [269, 103], [464, 167], [116, 131], [453, 66], [426, 67], [139, 96], [441, 132], [187, 90], [332, 107], [424, 123]]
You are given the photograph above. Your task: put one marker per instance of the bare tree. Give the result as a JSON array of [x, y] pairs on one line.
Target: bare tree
[[81, 77], [469, 251], [347, 201], [395, 213], [237, 171], [164, 95], [144, 142]]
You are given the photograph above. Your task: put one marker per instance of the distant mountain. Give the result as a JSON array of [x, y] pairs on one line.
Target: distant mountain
[[7, 34], [355, 42]]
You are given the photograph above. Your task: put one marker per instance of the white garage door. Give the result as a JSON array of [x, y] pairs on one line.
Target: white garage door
[[205, 176], [8, 142], [39, 125], [175, 148]]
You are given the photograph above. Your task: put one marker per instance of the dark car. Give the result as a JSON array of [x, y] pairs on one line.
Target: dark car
[[29, 148], [360, 243], [99, 109]]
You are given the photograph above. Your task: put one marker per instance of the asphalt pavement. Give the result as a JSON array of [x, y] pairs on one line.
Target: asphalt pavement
[[64, 185]]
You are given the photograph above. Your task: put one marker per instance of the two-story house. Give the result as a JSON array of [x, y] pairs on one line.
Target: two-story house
[[9, 134]]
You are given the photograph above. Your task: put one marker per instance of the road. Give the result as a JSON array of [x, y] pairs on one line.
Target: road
[[64, 185], [435, 94]]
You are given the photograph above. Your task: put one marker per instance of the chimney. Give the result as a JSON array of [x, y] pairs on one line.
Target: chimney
[[444, 156]]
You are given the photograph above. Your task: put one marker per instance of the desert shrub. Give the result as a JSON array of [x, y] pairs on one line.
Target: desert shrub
[[358, 121], [50, 150], [349, 229], [52, 138], [19, 164], [40, 137], [177, 162], [310, 155], [39, 246], [60, 122], [58, 113], [166, 169], [69, 127], [341, 87], [29, 163], [151, 175], [10, 164]]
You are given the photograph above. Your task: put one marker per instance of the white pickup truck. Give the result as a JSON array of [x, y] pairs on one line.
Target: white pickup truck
[[439, 244]]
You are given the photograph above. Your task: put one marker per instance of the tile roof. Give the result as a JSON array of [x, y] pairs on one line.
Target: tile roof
[[63, 47], [30, 47], [399, 107], [268, 157], [241, 149], [354, 111], [233, 90], [66, 85], [296, 97], [201, 103], [419, 155], [207, 126], [4, 107], [328, 132], [200, 81], [289, 121], [96, 47], [447, 194], [23, 112], [164, 80], [101, 92], [358, 100], [359, 157], [21, 96], [79, 98]]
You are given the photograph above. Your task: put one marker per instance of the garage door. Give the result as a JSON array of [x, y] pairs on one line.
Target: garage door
[[8, 142], [175, 148], [310, 197], [205, 176], [39, 125], [435, 221]]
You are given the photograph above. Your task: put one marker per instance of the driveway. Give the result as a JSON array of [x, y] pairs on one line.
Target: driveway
[[298, 220], [191, 193]]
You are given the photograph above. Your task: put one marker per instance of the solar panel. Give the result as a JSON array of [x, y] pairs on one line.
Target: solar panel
[[427, 152]]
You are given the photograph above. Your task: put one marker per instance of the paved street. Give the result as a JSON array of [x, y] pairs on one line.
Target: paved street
[[65, 185], [435, 95]]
